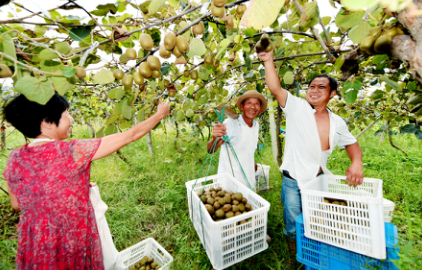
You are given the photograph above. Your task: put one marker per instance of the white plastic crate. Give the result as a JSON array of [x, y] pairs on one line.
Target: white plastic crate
[[225, 242], [358, 226], [262, 177], [388, 210], [149, 247]]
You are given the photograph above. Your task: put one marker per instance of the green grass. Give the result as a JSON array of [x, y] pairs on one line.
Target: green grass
[[148, 199]]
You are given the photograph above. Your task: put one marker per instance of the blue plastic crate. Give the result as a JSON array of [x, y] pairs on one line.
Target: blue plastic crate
[[318, 255]]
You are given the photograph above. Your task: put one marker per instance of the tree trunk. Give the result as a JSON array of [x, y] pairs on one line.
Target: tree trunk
[[3, 137], [122, 157], [177, 136], [279, 140], [273, 131], [150, 148], [92, 129], [367, 128]]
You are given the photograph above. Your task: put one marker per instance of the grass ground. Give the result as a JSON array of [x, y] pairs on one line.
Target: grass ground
[[148, 199]]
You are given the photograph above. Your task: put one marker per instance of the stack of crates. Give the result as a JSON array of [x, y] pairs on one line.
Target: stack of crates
[[318, 255]]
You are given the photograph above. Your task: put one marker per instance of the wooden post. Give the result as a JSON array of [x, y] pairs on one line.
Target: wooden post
[[150, 148], [273, 131]]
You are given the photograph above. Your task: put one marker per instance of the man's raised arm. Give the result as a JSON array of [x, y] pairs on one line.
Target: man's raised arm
[[271, 78]]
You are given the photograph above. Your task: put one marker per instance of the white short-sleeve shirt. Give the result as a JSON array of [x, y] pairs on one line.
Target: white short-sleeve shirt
[[302, 154]]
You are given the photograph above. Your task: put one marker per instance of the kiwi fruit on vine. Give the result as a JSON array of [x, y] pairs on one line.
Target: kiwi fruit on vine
[[375, 32], [217, 12], [156, 74], [118, 74], [219, 3], [391, 32], [270, 47], [383, 44], [229, 22], [215, 63], [146, 41], [153, 62], [5, 71], [180, 116], [172, 94], [166, 83], [182, 44], [130, 54], [80, 72], [367, 45], [208, 59], [258, 47], [194, 74], [176, 52], [127, 80], [240, 9], [198, 29], [170, 41], [265, 40], [144, 70], [137, 78], [186, 73], [163, 52]]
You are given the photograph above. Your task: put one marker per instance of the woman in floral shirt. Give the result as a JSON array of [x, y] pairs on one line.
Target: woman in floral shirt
[[49, 183]]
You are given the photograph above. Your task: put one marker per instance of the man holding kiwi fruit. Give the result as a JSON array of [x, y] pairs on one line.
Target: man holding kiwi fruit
[[313, 131]]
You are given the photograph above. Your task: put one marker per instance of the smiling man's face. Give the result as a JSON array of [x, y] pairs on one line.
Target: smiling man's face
[[319, 92], [250, 107]]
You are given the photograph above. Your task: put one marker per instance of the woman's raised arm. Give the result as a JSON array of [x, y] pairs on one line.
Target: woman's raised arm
[[112, 143]]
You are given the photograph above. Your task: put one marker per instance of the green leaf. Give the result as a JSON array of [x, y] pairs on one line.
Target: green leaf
[[112, 93], [339, 63], [418, 134], [196, 47], [39, 90], [63, 47], [46, 54], [356, 85], [51, 66], [347, 19], [222, 47], [111, 119], [410, 129], [61, 84], [126, 109], [68, 71], [359, 32], [261, 13], [384, 127], [79, 33], [104, 76], [174, 3], [40, 30], [351, 96], [8, 47], [377, 94], [310, 15], [245, 46], [326, 20], [357, 4], [155, 6], [411, 85], [100, 133], [118, 107], [379, 58], [119, 92], [392, 83], [111, 129], [191, 89], [288, 77], [126, 124], [140, 116], [249, 32]]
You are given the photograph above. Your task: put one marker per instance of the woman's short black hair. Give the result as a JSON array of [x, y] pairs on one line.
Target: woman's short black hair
[[333, 82], [26, 116]]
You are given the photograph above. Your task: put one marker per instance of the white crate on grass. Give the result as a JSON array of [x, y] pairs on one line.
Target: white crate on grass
[[149, 247], [388, 210], [358, 226], [225, 242], [262, 177]]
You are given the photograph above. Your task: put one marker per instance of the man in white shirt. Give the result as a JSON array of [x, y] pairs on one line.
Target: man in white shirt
[[243, 135], [312, 133]]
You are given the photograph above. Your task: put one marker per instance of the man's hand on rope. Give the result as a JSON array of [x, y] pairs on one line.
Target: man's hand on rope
[[219, 130]]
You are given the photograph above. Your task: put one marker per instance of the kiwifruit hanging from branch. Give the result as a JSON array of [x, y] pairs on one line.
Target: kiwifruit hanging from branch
[[146, 41], [156, 74], [170, 41], [118, 74], [130, 54], [153, 62], [215, 63], [137, 78], [198, 29], [5, 71], [80, 72], [186, 73], [383, 44], [163, 52], [367, 45], [176, 52], [127, 80], [375, 32], [208, 59], [240, 9], [391, 32], [219, 3], [265, 40], [182, 44], [144, 70], [264, 44], [229, 22], [194, 74], [217, 12]]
